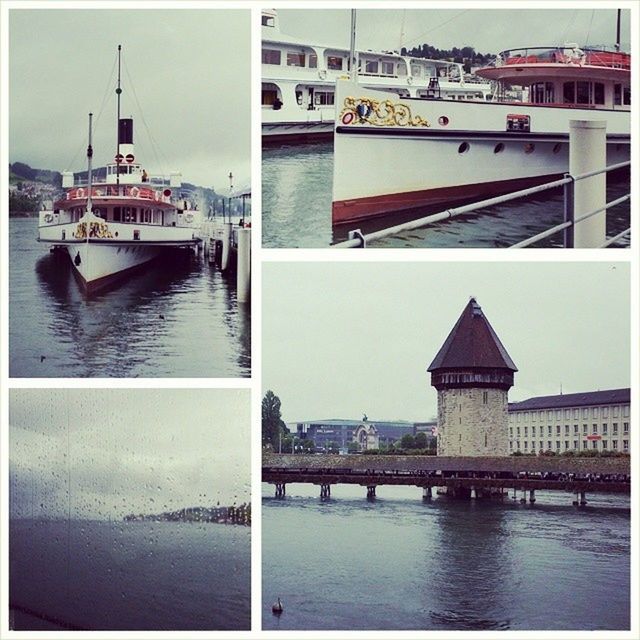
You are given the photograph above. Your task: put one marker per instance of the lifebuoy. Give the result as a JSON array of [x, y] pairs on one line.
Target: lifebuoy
[[189, 217], [135, 192], [322, 74], [80, 193], [48, 217]]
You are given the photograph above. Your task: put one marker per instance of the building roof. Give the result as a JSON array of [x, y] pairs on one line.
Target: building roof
[[587, 398], [472, 343]]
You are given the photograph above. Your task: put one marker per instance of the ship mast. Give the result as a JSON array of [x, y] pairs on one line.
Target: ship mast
[[618, 31], [353, 72], [89, 172], [118, 158]]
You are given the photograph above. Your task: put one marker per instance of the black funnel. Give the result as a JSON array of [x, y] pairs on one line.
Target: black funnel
[[125, 131]]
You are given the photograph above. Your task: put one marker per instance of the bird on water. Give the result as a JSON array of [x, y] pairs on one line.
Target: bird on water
[[277, 607]]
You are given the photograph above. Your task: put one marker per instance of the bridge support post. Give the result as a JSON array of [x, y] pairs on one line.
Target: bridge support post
[[281, 489], [371, 492], [426, 493], [532, 496], [325, 490], [583, 499], [523, 499], [473, 494]]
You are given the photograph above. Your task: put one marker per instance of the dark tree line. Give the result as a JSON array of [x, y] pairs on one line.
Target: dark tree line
[[466, 56]]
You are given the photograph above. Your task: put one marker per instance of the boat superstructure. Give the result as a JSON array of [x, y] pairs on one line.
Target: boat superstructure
[[423, 152], [120, 221], [298, 81]]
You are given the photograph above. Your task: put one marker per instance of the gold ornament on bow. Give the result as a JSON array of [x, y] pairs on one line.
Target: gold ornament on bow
[[380, 113]]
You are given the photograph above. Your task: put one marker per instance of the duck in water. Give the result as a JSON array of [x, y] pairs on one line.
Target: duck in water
[[277, 608]]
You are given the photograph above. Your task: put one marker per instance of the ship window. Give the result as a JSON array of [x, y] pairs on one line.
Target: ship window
[[268, 21], [387, 68], [542, 92], [270, 56], [598, 93], [416, 70], [371, 66], [323, 97], [529, 147], [617, 94], [313, 61], [116, 214], [582, 92], [334, 63], [569, 92], [627, 95], [295, 59], [402, 69], [269, 94]]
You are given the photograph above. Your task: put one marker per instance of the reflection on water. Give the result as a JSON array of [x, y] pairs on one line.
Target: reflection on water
[[296, 209], [399, 563], [176, 318]]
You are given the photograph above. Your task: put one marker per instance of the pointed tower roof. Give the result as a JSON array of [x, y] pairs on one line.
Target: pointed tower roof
[[472, 343]]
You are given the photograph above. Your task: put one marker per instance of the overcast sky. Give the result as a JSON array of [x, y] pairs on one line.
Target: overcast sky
[[343, 339], [191, 75], [487, 30], [127, 451]]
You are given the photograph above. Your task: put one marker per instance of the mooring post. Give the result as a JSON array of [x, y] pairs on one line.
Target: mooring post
[[588, 152], [226, 245], [243, 273]]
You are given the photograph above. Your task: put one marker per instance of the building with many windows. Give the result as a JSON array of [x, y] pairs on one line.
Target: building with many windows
[[597, 420]]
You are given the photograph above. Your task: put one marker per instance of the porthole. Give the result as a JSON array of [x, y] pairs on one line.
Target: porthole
[[499, 148], [443, 121], [529, 147], [463, 148], [556, 147]]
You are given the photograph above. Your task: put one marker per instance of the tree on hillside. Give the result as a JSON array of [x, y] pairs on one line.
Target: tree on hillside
[[273, 427], [421, 440]]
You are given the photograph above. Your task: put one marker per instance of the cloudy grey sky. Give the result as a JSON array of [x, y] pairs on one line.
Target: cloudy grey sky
[[124, 451], [343, 339], [191, 76], [487, 30]]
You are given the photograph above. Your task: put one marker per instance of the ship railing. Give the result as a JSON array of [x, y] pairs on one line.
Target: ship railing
[[569, 54], [356, 239]]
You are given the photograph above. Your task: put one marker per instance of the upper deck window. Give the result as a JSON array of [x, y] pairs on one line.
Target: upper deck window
[[296, 59], [626, 95], [371, 66], [542, 92], [268, 21], [387, 68], [271, 56], [334, 63], [583, 92], [313, 61]]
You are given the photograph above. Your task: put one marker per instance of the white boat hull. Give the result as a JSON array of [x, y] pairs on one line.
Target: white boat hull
[[423, 152], [101, 261]]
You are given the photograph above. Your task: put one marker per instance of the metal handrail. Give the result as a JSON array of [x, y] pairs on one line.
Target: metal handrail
[[359, 240]]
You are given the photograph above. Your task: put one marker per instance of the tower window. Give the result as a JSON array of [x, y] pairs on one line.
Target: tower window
[[485, 397], [485, 439]]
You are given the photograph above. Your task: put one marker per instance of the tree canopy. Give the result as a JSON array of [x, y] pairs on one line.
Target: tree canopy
[[273, 427]]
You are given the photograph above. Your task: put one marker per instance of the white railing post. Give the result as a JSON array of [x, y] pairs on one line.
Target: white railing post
[[588, 152]]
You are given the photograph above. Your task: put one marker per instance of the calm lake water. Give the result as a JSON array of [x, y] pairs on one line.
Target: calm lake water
[[296, 209], [399, 563], [129, 575], [120, 333]]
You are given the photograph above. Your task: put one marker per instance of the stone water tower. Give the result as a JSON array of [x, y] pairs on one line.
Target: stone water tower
[[472, 373]]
